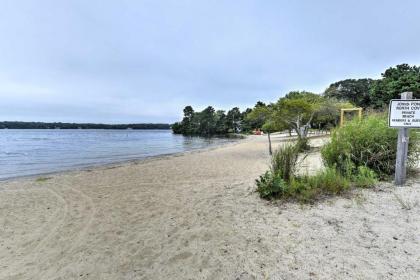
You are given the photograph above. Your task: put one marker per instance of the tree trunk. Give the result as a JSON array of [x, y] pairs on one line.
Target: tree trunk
[[269, 144], [302, 130]]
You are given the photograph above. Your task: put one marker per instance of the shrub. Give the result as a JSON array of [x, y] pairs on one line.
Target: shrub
[[370, 143], [284, 160], [329, 181], [356, 155], [364, 178], [302, 191], [302, 144], [326, 182], [271, 185], [305, 188], [274, 183]]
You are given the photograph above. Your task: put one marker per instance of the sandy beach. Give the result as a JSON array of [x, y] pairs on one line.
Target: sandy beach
[[197, 216]]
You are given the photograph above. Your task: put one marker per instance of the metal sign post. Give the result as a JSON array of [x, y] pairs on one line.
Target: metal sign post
[[403, 113]]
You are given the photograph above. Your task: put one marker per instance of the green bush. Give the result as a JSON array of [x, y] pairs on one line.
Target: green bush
[[302, 191], [357, 155], [364, 178], [370, 143], [284, 160], [274, 183], [305, 188], [329, 181], [271, 185], [326, 182]]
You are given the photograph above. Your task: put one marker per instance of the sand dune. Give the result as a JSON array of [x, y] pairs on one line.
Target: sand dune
[[196, 216]]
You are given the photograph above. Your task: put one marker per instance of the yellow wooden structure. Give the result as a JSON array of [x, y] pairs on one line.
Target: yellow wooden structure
[[359, 110]]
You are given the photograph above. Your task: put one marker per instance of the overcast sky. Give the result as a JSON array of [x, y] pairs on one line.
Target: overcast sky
[[143, 61]]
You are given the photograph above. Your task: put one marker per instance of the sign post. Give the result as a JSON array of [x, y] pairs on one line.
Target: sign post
[[403, 114]]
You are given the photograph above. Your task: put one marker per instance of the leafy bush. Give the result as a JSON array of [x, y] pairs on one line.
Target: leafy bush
[[370, 143], [271, 185], [364, 178]]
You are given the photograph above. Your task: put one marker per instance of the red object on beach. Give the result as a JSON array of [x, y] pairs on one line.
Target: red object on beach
[[257, 132]]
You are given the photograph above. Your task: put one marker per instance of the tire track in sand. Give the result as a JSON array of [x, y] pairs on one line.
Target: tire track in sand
[[75, 205], [78, 240], [56, 224]]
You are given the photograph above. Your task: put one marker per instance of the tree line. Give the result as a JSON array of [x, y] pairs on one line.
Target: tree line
[[210, 122], [376, 94], [59, 125], [300, 110], [297, 111]]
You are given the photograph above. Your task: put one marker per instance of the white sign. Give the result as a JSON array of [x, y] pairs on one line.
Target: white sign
[[404, 113]]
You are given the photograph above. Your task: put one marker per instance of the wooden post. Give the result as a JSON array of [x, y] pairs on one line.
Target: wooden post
[[342, 117], [402, 149]]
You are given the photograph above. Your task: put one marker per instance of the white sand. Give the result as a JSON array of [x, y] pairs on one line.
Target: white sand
[[196, 216]]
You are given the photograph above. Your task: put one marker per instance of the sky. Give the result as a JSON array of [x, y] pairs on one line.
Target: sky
[[144, 61]]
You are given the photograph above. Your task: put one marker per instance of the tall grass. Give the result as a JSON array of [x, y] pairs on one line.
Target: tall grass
[[284, 160], [324, 183], [275, 182]]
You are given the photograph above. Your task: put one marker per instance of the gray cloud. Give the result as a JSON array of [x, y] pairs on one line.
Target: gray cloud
[[141, 61]]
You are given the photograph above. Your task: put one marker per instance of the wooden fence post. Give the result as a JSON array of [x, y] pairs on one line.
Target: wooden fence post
[[402, 149]]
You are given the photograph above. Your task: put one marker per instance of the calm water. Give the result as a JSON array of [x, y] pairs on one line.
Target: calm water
[[30, 152]]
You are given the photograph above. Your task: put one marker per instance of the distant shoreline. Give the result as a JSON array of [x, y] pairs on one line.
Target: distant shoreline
[[61, 125], [89, 129]]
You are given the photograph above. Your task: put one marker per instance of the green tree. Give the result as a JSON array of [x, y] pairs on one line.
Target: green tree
[[258, 115], [269, 127], [221, 127], [246, 125], [327, 114], [233, 119], [263, 116], [207, 122], [177, 128], [296, 111], [395, 80], [187, 126], [356, 91], [306, 95]]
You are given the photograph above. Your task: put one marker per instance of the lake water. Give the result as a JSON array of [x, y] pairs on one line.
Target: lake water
[[31, 152]]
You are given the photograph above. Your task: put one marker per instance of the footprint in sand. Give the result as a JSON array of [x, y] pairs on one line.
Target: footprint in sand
[[179, 257]]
